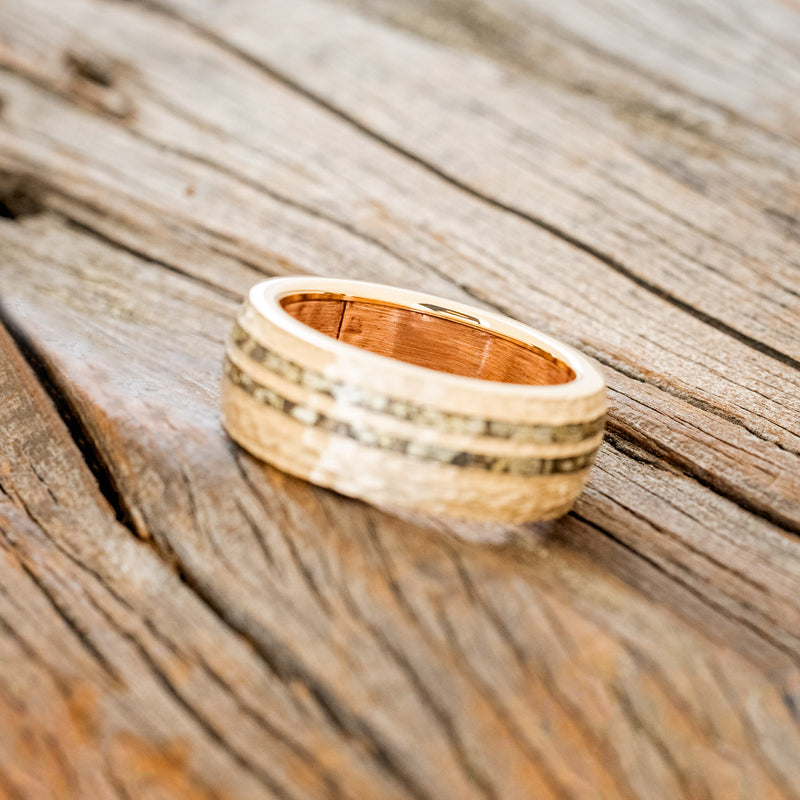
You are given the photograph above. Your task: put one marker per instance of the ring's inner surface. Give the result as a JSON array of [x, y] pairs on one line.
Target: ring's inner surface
[[427, 340]]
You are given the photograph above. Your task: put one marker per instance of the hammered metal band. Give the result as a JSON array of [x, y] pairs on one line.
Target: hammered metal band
[[402, 398]]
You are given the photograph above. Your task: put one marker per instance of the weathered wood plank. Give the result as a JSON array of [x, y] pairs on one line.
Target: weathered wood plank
[[716, 151], [741, 56], [710, 51], [525, 669], [641, 335], [266, 638]]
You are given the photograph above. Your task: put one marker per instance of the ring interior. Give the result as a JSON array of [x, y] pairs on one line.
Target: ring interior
[[427, 340]]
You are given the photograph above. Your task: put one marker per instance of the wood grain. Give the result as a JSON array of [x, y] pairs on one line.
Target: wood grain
[[177, 620]]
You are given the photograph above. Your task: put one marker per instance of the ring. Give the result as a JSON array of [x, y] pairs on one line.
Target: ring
[[410, 400]]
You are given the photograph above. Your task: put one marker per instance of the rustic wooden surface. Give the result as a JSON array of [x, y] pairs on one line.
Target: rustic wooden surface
[[177, 620]]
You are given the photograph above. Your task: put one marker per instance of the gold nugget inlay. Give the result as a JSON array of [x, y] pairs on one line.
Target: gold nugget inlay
[[524, 466], [444, 421]]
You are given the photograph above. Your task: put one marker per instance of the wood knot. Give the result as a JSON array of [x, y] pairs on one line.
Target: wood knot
[[94, 68], [20, 195], [94, 81]]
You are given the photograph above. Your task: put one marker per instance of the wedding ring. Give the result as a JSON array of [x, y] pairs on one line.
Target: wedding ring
[[406, 399]]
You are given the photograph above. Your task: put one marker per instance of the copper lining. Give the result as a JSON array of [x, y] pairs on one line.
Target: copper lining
[[427, 340]]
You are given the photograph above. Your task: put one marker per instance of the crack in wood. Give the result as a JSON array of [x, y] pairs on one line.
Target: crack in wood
[[611, 763], [762, 634], [617, 431], [702, 554], [89, 447], [333, 786], [29, 649], [443, 718], [73, 624], [125, 248], [153, 630], [268, 781]]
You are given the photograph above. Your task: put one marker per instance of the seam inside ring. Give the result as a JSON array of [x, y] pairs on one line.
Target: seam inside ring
[[442, 340]]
